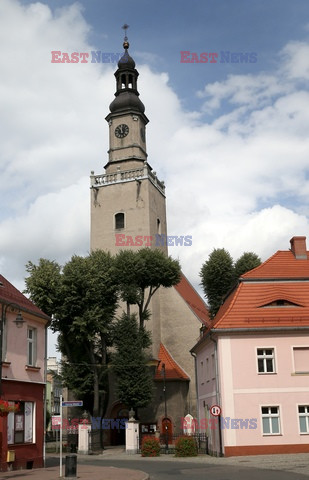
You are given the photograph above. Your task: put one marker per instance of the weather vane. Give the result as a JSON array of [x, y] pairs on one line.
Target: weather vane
[[125, 28]]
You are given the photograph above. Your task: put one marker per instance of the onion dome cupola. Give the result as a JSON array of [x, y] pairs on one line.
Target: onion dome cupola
[[127, 96], [127, 120]]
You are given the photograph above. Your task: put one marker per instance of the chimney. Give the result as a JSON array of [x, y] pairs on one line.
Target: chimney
[[298, 247]]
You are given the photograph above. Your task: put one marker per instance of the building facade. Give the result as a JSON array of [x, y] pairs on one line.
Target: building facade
[[128, 210], [23, 379], [253, 361], [53, 372]]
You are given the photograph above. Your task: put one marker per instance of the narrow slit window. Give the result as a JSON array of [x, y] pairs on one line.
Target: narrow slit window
[[158, 226], [119, 221]]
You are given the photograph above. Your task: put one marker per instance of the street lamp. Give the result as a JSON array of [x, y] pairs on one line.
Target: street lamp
[[19, 323], [165, 407]]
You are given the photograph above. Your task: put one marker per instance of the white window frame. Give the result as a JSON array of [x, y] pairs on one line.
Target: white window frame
[[298, 347], [27, 424], [33, 343], [266, 357], [306, 416], [270, 415]]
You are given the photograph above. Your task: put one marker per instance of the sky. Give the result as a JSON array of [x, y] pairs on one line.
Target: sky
[[229, 138]]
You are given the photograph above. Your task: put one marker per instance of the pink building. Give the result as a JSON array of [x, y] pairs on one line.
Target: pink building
[[253, 361], [23, 379]]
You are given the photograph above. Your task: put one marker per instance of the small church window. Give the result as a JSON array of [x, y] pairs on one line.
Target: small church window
[[123, 81], [158, 226], [130, 81], [119, 220]]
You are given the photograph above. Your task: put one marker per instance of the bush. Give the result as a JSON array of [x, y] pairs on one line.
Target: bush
[[150, 447], [186, 447]]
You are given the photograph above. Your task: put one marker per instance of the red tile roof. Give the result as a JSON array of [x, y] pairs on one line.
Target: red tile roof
[[193, 299], [253, 303], [10, 294], [172, 370], [245, 308], [282, 264]]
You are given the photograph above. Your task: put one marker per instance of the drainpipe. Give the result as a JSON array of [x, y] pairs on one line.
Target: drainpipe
[[218, 395], [196, 388]]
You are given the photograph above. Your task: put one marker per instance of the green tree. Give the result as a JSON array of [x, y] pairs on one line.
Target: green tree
[[217, 275], [44, 284], [140, 274], [134, 381], [246, 262], [81, 298], [82, 306]]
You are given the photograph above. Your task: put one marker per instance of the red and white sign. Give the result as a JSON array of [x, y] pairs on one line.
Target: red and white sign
[[215, 410], [56, 422]]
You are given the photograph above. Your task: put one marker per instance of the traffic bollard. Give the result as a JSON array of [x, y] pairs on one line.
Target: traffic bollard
[[70, 466]]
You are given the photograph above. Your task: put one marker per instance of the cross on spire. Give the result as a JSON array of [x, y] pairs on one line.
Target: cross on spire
[[125, 28]]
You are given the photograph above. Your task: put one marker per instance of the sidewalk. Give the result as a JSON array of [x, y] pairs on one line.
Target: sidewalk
[[294, 463], [84, 472]]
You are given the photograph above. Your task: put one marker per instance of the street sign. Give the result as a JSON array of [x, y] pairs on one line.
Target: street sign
[[56, 422], [73, 403], [215, 410]]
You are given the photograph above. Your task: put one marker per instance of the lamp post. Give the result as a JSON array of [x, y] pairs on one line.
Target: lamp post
[[19, 323], [165, 407]]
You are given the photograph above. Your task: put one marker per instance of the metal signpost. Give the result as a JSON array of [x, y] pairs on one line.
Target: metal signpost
[[215, 411], [73, 403], [60, 450]]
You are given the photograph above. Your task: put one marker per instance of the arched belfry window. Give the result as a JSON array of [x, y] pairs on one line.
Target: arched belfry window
[[119, 221]]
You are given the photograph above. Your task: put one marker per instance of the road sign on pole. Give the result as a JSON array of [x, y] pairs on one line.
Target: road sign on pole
[[73, 403], [215, 410], [56, 422], [60, 463]]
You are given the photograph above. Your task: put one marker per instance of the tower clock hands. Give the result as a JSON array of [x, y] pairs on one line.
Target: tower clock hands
[[122, 130]]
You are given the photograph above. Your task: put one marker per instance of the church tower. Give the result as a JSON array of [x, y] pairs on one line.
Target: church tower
[[128, 211], [128, 200]]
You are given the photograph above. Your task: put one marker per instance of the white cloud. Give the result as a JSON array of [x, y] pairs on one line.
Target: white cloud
[[250, 90], [296, 60]]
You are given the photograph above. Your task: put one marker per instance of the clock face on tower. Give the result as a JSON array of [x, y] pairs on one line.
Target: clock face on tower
[[122, 130]]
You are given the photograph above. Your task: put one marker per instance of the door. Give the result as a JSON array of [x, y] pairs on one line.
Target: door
[[167, 430]]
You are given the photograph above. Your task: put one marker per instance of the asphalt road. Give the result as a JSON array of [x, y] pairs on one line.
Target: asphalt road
[[172, 470]]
